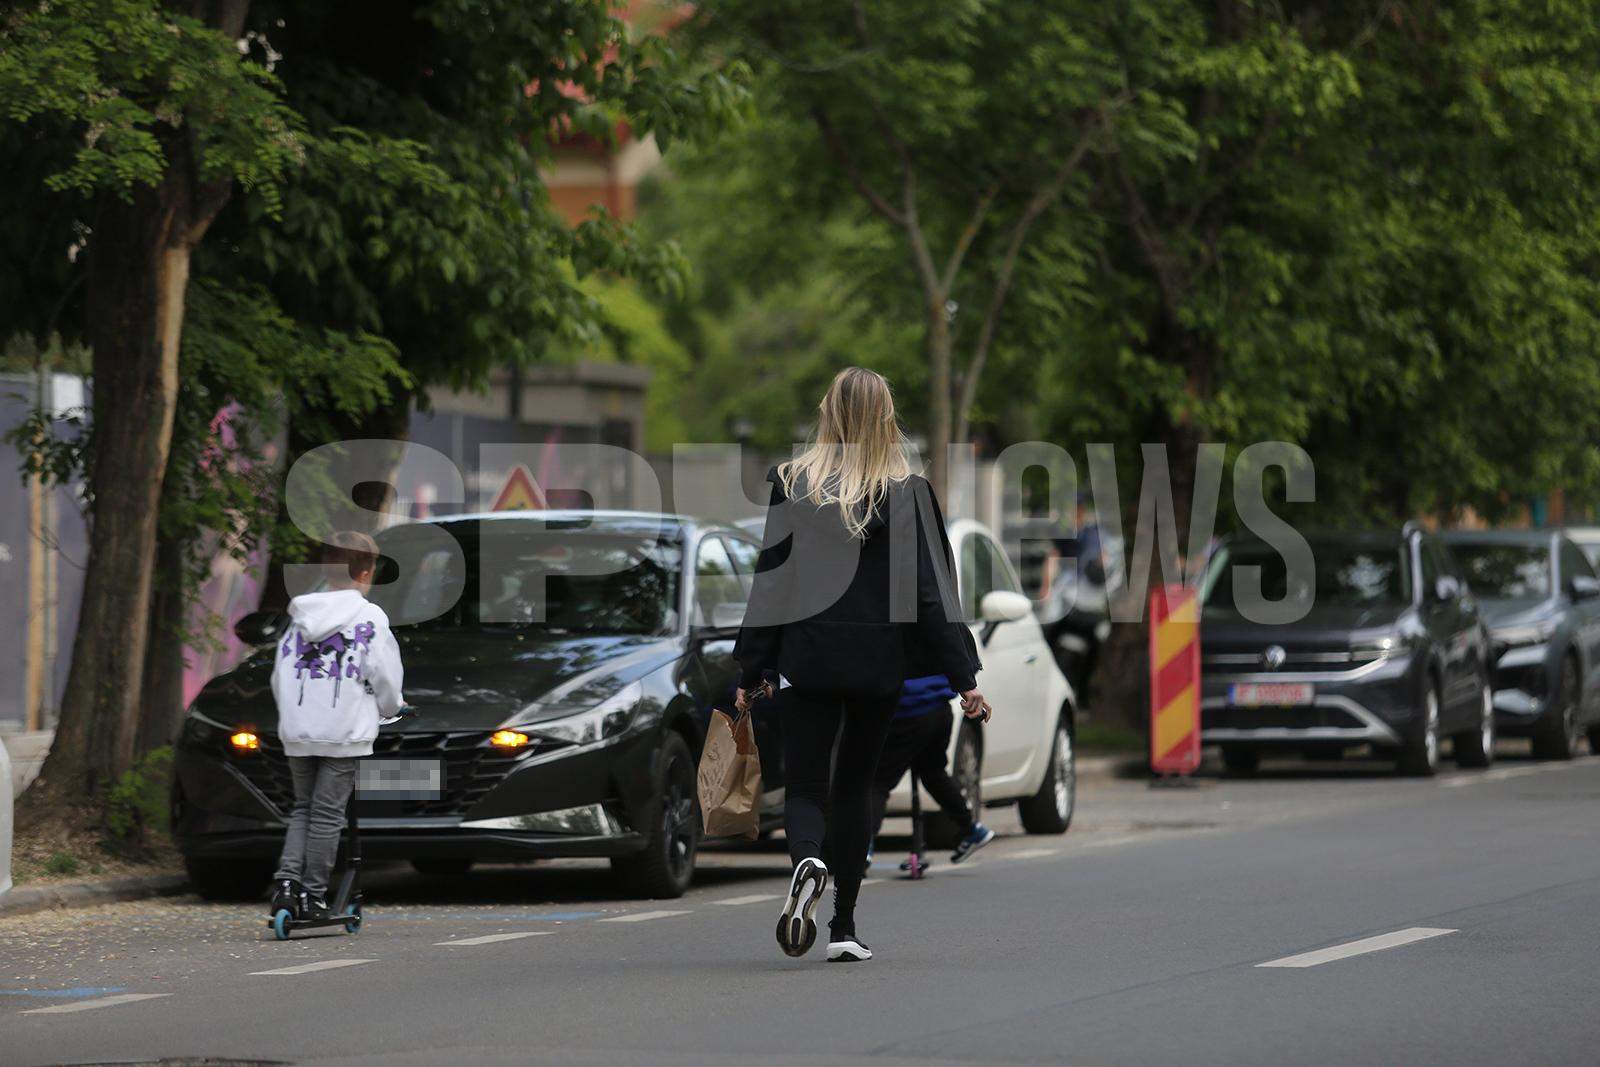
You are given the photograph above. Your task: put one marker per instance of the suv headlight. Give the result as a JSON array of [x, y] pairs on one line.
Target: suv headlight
[[606, 719], [1532, 633]]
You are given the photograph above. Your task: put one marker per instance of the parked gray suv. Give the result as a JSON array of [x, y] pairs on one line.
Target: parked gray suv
[[1540, 598], [1390, 653]]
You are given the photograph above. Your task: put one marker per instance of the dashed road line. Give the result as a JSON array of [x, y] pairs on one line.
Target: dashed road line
[[90, 1005], [642, 916], [493, 939], [755, 898], [319, 965], [1500, 774], [1359, 948], [1029, 854]]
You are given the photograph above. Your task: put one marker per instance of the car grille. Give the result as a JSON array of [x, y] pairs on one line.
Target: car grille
[[1277, 719], [1253, 661], [471, 766]]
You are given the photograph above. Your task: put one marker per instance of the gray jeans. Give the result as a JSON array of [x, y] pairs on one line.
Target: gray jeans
[[322, 786]]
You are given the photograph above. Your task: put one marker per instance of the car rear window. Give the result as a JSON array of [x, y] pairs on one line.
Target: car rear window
[[1506, 571]]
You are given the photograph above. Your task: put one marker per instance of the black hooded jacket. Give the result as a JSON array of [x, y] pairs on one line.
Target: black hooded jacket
[[841, 615]]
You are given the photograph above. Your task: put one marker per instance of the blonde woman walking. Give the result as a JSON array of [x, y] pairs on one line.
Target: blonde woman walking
[[854, 592]]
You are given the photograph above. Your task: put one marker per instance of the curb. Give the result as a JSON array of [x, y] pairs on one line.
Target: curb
[[81, 894]]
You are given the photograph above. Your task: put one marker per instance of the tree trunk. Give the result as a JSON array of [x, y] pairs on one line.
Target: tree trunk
[[939, 397], [165, 651], [137, 281], [1121, 683], [138, 274]]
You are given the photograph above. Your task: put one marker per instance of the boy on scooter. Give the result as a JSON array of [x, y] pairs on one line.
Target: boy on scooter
[[337, 673]]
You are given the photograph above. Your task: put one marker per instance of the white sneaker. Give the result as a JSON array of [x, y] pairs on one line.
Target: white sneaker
[[848, 950], [797, 925]]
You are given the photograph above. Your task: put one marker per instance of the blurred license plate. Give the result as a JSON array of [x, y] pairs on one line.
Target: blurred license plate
[[1270, 694], [400, 779]]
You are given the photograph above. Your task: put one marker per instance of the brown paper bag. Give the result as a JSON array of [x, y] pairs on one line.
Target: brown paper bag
[[730, 778]]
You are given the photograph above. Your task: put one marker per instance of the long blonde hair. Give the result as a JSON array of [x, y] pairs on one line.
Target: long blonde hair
[[859, 449]]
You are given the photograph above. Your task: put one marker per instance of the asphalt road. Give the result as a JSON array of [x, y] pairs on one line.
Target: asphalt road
[[1457, 915]]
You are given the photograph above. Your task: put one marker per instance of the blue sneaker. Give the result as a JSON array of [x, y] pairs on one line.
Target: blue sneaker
[[981, 835]]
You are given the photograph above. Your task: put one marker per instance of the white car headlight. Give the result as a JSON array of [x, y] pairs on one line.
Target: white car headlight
[[606, 719]]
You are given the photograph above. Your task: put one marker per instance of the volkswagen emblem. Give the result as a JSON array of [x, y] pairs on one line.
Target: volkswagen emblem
[[1272, 658]]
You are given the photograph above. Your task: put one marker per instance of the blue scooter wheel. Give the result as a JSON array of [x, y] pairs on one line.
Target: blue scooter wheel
[[280, 924], [353, 923]]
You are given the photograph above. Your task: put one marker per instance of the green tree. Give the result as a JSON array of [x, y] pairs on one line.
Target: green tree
[[393, 218], [961, 126]]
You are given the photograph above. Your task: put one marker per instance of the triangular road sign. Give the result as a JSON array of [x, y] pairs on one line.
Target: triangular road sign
[[519, 493]]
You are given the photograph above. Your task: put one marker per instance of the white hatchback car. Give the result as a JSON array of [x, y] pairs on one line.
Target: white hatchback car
[[1025, 753]]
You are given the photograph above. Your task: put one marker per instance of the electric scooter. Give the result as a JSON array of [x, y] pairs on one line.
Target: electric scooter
[[345, 908], [916, 864]]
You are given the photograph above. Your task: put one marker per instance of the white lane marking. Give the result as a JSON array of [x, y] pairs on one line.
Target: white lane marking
[[1359, 948], [90, 1005], [756, 898], [1500, 774], [1029, 854], [641, 916], [493, 939], [320, 965]]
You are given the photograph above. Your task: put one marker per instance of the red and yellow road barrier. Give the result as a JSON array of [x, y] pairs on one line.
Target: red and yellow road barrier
[[1174, 680]]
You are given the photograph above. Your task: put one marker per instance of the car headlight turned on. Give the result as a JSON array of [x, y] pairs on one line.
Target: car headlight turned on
[[605, 720]]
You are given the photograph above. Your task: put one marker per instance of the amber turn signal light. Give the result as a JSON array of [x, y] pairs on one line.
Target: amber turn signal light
[[508, 739], [245, 741]]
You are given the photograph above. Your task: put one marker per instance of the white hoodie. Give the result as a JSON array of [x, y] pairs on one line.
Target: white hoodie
[[338, 672]]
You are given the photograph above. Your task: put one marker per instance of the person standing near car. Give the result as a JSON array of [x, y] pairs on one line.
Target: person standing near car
[[855, 581], [337, 672]]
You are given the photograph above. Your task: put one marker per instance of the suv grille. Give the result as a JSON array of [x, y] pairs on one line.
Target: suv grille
[[471, 767], [1254, 661], [1277, 719]]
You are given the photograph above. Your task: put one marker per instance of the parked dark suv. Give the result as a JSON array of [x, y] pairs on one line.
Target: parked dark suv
[[1391, 653], [1541, 602]]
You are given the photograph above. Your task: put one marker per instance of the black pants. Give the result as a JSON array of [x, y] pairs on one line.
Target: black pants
[[918, 745], [837, 808]]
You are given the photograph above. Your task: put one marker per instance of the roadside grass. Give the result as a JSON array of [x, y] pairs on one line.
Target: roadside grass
[[1095, 736], [127, 836]]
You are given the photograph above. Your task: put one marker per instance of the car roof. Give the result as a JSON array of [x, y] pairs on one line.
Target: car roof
[[1541, 537], [1584, 535], [603, 521]]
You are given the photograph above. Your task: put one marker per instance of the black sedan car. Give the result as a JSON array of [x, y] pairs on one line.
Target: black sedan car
[[1541, 601], [562, 667], [1390, 653]]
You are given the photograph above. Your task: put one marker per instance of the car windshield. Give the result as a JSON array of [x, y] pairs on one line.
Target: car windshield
[[1359, 575], [1506, 571], [523, 575]]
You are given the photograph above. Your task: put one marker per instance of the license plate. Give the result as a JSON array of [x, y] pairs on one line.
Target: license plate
[[400, 779], [1270, 694]]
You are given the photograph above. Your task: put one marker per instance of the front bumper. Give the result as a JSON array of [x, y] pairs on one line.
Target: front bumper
[[1369, 704], [1522, 680], [227, 805]]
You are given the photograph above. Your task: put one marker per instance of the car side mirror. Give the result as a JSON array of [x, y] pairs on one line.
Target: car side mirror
[[1446, 589], [1002, 605], [260, 627], [1583, 587], [999, 606]]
